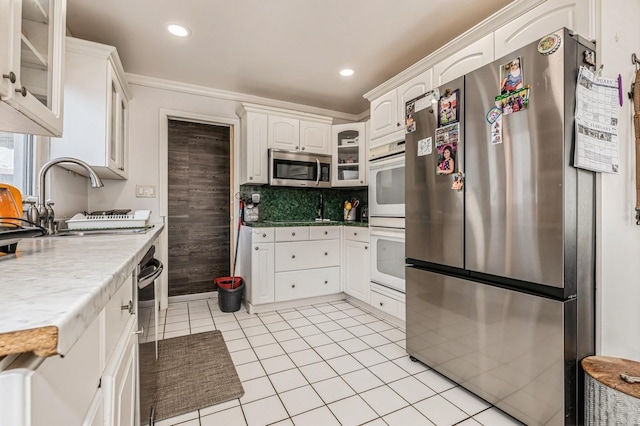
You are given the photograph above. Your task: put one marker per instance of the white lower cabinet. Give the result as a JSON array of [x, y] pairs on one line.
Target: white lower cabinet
[[356, 263], [302, 255], [119, 380]]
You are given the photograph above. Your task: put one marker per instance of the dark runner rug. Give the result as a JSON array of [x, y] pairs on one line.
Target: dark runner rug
[[192, 372]]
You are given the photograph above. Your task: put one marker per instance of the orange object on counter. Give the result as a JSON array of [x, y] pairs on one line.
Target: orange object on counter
[[10, 204]]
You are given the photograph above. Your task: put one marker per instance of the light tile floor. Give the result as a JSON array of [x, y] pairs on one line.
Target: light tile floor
[[326, 364]]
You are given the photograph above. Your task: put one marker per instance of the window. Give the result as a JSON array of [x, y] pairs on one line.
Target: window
[[17, 161]]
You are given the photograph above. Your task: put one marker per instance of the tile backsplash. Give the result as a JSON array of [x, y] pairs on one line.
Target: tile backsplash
[[281, 203]]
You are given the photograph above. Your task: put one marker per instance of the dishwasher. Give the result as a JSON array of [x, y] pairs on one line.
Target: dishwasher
[[148, 270]]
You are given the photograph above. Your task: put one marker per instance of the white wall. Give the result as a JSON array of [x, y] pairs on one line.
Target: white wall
[[618, 247]]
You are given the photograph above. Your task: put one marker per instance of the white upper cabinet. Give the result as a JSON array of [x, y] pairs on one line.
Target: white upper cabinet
[[349, 161], [32, 40], [315, 137], [253, 147], [544, 19], [465, 60], [284, 133], [293, 134], [387, 112], [418, 85], [97, 104], [384, 115]]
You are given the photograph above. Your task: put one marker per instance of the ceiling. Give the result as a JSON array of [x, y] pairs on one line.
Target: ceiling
[[288, 50]]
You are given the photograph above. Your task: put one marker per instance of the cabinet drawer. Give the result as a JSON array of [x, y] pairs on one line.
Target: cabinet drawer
[[356, 234], [307, 255], [116, 317], [262, 235], [324, 232], [387, 304], [292, 233], [308, 283]]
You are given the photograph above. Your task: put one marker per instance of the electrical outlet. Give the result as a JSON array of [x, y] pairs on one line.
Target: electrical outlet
[[145, 191]]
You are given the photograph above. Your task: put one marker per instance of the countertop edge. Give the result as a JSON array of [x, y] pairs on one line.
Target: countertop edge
[[59, 335], [41, 341]]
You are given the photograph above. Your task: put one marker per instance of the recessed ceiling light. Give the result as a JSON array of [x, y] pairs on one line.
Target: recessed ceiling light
[[346, 72], [178, 30]]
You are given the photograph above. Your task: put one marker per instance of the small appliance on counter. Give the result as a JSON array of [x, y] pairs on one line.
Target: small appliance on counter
[[364, 214], [112, 220], [251, 212], [11, 229]]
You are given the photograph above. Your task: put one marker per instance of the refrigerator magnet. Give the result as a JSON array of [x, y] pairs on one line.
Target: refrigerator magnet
[[511, 76], [493, 114], [448, 108], [447, 147], [409, 124], [458, 181], [549, 44], [425, 146], [496, 131], [513, 101]]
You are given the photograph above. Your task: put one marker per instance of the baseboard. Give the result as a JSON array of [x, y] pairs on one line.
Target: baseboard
[[192, 297], [268, 307]]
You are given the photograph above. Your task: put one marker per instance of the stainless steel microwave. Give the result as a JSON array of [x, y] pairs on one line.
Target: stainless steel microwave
[[289, 168]]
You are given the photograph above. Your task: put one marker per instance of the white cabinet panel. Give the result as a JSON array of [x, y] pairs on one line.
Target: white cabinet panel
[[350, 156], [296, 256], [253, 148], [119, 380], [95, 416], [307, 283], [356, 269], [262, 270], [117, 314], [542, 20], [283, 133], [292, 233], [388, 304], [262, 235], [413, 88], [384, 115], [356, 234], [465, 60], [315, 137]]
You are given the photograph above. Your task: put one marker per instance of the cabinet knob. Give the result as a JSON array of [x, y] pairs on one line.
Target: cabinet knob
[[139, 331], [297, 147], [250, 177], [128, 307], [355, 234], [303, 148], [22, 91], [326, 282], [264, 235], [293, 256], [397, 124], [366, 247], [362, 181], [326, 254], [293, 234], [11, 76], [293, 286], [256, 249], [381, 303], [325, 232]]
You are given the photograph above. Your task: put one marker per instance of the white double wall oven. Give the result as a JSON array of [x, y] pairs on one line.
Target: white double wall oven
[[386, 215]]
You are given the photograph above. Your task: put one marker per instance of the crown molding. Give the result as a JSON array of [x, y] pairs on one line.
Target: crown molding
[[175, 86]]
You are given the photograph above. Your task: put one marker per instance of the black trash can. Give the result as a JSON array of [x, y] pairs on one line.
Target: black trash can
[[230, 299]]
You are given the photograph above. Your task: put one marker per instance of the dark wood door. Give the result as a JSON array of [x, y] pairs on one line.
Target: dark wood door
[[199, 191]]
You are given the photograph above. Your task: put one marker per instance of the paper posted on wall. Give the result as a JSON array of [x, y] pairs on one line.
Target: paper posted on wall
[[596, 123]]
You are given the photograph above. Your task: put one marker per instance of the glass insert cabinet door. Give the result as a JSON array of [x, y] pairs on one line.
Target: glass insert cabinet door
[[31, 52], [349, 155]]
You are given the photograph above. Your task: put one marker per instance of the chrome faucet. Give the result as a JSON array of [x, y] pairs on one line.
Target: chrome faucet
[[43, 212]]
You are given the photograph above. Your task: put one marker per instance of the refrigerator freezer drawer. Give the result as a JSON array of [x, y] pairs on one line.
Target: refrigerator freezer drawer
[[506, 347]]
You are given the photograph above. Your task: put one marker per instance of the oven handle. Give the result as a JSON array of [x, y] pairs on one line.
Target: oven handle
[[391, 160], [318, 172], [145, 280], [395, 233]]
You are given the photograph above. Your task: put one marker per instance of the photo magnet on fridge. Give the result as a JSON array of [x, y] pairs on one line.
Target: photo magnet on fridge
[[511, 76], [448, 108], [447, 147]]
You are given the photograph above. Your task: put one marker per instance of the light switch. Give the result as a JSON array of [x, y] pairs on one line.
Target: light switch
[[145, 191]]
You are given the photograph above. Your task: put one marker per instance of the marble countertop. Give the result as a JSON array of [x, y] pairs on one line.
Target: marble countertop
[[283, 223], [54, 287]]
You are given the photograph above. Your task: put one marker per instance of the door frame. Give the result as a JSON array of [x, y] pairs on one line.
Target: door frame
[[163, 180]]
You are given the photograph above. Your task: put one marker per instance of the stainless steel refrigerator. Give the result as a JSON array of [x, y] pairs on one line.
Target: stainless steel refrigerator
[[500, 276]]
